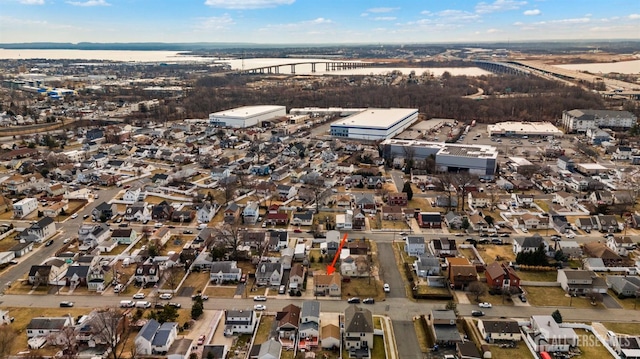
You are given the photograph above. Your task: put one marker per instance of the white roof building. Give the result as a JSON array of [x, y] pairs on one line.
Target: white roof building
[[375, 123], [246, 116]]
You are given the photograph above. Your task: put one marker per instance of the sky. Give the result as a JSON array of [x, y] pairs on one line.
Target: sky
[[316, 21]]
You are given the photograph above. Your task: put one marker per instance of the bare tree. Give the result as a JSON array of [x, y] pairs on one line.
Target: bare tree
[[462, 181], [7, 340], [229, 186], [172, 276], [448, 186], [228, 236], [66, 338], [478, 289], [110, 326]]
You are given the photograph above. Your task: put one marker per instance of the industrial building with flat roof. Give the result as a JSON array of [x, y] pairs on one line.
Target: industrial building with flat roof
[[246, 116], [375, 123], [512, 128], [481, 160]]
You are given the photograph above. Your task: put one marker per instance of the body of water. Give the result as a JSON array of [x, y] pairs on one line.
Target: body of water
[[104, 55], [622, 67]]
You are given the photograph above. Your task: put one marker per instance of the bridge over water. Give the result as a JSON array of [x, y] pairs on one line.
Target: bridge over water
[[328, 66]]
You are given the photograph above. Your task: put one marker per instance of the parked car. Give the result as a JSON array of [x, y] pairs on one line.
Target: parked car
[[187, 231], [13, 261], [368, 301], [477, 313], [49, 242], [297, 230], [353, 300], [386, 288], [138, 296], [259, 298], [74, 216], [196, 296], [201, 339], [485, 305], [523, 298], [165, 296], [243, 278], [174, 304], [122, 225], [66, 304], [260, 307], [66, 240], [85, 216], [282, 289]]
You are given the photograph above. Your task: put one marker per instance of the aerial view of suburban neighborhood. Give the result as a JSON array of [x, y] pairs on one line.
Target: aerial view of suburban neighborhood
[[423, 201]]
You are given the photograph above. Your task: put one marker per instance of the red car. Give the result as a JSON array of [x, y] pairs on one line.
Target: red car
[[297, 231], [201, 340]]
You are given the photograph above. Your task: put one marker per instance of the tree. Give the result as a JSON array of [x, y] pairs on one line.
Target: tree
[[110, 326], [489, 219], [7, 340], [465, 223], [67, 340], [451, 305], [557, 316], [197, 309], [408, 190], [478, 289], [172, 276], [595, 297], [228, 236]]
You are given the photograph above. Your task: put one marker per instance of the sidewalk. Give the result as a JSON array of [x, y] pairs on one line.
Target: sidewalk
[[461, 297]]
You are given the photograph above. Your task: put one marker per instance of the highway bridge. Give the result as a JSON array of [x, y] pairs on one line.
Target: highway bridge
[[329, 65]]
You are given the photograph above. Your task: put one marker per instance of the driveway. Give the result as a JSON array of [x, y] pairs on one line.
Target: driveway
[[406, 340], [610, 302]]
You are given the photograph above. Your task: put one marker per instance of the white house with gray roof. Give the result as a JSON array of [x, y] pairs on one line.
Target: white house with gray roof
[[239, 322], [415, 245]]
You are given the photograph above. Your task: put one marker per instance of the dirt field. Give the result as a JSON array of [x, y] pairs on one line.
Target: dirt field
[[496, 253]]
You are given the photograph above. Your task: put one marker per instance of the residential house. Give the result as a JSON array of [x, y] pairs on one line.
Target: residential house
[[137, 212], [90, 234], [499, 329], [40, 231], [359, 220], [392, 213], [529, 244], [41, 275], [429, 220], [599, 250], [601, 198], [296, 276], [22, 248], [156, 338], [24, 207], [220, 173], [309, 331], [95, 279], [478, 199], [226, 271], [330, 339], [501, 276], [415, 245], [231, 213], [565, 199], [365, 202], [397, 199], [461, 272], [345, 221], [478, 223], [587, 224], [624, 286], [524, 200], [581, 282], [5, 318], [76, 275], [286, 192], [56, 209], [287, 322], [427, 265], [184, 216], [443, 247], [443, 326], [239, 322], [162, 211], [161, 235], [548, 336], [147, 273], [256, 240], [302, 218], [607, 223], [132, 195], [124, 235], [206, 212], [570, 248], [251, 213], [531, 221], [358, 331], [622, 245], [271, 349], [454, 220], [48, 327], [211, 352], [269, 274], [327, 284], [104, 211]]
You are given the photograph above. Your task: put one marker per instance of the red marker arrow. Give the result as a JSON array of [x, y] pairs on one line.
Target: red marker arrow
[[331, 268]]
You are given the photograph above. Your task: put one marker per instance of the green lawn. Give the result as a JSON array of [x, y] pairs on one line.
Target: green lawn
[[262, 334]]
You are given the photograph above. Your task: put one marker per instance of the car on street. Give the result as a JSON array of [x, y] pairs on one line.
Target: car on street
[[187, 231], [74, 216], [523, 298], [203, 297], [485, 305], [122, 225], [297, 230], [402, 233], [158, 306], [259, 298], [172, 227], [138, 296], [175, 305], [66, 240], [165, 296], [368, 301], [13, 261], [201, 339], [49, 242], [503, 235], [353, 300], [66, 304], [85, 216], [477, 313], [386, 288], [260, 307]]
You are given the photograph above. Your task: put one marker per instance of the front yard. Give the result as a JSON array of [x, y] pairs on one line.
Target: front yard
[[590, 346], [556, 297], [363, 288], [196, 280], [496, 253], [623, 328], [520, 351]]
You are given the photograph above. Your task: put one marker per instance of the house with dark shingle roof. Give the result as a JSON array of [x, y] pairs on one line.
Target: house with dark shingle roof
[[499, 275], [358, 331], [48, 327], [499, 329], [288, 321], [529, 244], [239, 322]]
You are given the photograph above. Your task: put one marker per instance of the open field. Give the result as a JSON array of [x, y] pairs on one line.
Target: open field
[[363, 288], [197, 280], [496, 253], [520, 351], [538, 276], [220, 292]]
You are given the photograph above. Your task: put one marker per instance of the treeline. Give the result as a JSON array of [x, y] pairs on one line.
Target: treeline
[[435, 97]]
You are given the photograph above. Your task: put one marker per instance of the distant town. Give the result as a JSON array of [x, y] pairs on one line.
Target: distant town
[[441, 201]]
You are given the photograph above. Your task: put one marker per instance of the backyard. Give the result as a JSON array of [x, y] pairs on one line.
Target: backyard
[[556, 297], [520, 351], [623, 328], [590, 346]]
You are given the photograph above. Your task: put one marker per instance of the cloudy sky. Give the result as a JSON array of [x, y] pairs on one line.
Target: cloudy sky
[[316, 21]]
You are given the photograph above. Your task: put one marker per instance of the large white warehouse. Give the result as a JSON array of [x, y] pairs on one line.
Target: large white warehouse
[[246, 116], [375, 123]]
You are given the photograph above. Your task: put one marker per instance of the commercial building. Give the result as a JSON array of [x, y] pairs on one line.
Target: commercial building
[[375, 123], [246, 116], [480, 160], [512, 128], [583, 120]]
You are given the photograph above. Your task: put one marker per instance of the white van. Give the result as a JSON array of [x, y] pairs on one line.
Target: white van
[[143, 304], [127, 304]]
